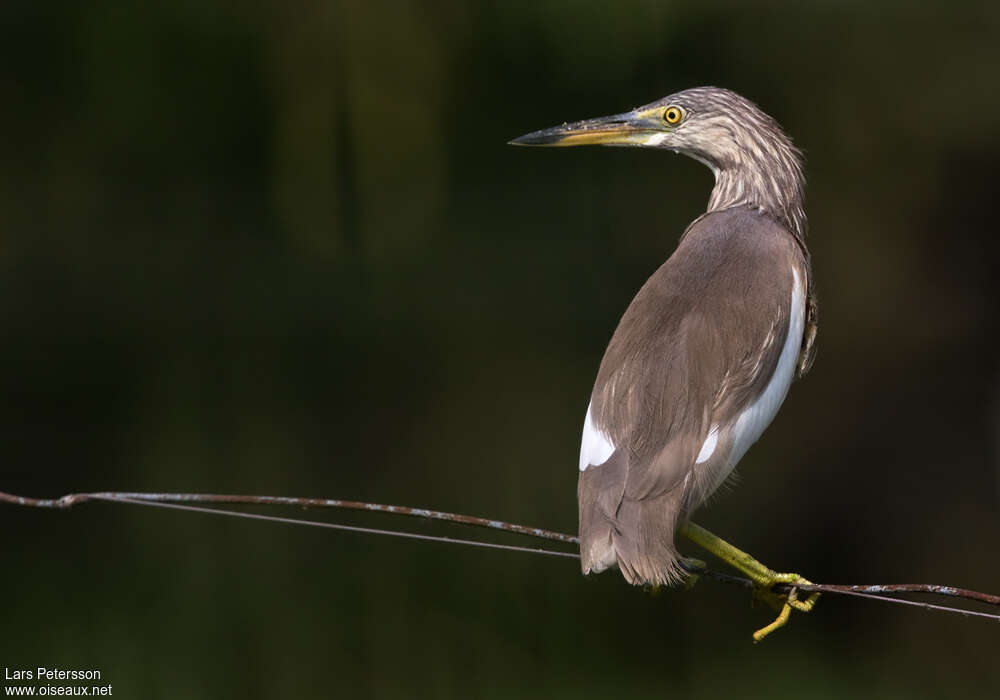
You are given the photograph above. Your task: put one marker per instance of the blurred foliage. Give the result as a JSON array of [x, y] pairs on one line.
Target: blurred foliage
[[283, 248]]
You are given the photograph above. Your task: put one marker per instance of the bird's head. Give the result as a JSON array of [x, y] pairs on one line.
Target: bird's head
[[714, 125], [754, 162]]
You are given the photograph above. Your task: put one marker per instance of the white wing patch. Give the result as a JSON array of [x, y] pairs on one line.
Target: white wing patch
[[760, 413], [708, 447], [595, 448], [750, 424]]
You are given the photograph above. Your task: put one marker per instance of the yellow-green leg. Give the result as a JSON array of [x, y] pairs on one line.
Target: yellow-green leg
[[763, 577]]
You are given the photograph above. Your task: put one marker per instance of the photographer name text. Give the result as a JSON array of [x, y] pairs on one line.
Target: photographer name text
[[50, 674]]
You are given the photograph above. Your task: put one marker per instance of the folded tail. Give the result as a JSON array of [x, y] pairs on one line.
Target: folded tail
[[637, 535]]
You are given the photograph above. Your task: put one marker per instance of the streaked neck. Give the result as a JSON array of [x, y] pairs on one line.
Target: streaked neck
[[777, 189]]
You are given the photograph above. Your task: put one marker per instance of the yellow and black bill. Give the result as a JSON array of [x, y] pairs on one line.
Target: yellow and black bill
[[645, 128]]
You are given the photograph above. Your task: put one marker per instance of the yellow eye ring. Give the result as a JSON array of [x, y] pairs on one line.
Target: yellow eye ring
[[672, 115]]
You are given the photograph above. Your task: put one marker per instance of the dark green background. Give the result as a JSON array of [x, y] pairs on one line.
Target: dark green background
[[285, 250]]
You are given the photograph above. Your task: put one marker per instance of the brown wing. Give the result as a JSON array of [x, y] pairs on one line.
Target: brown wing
[[700, 340]]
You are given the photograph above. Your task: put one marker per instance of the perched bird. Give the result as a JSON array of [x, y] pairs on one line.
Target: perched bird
[[705, 353]]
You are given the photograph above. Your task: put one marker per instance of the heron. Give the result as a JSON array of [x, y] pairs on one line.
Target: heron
[[705, 353]]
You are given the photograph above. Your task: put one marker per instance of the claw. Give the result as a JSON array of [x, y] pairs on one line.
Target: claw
[[764, 578], [693, 568], [780, 621], [783, 603]]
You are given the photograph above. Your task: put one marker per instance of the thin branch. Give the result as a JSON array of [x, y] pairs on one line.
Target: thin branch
[[882, 589], [859, 591], [182, 501], [336, 526], [74, 498]]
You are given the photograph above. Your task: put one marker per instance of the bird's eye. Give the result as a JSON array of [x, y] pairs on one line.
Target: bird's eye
[[673, 115]]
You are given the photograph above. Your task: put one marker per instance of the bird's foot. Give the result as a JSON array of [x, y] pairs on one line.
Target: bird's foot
[[784, 603], [764, 578], [692, 570]]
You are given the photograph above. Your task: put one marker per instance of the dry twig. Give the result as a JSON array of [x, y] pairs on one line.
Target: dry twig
[[184, 501]]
